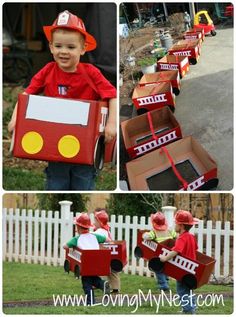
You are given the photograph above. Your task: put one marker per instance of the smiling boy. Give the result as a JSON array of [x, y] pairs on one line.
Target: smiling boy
[[67, 77]]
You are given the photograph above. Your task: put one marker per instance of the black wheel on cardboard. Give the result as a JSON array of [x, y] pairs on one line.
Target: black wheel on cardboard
[[190, 281], [193, 61], [77, 271], [138, 253], [116, 265], [67, 266], [176, 91], [156, 265], [141, 111], [99, 152], [213, 33], [172, 108], [212, 183]]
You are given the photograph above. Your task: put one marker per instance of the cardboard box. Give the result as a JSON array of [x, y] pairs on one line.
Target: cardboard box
[[174, 62], [154, 171], [187, 48], [191, 43], [152, 97], [137, 132], [193, 35], [57, 129], [171, 76]]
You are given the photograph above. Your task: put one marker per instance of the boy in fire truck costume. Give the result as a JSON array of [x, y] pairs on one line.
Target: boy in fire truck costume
[[88, 241], [159, 233], [102, 228], [66, 77], [185, 245]]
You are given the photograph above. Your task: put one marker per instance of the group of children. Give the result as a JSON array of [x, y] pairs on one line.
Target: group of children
[[87, 240], [185, 245]]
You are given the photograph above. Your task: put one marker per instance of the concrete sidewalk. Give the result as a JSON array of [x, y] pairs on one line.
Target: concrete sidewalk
[[204, 107]]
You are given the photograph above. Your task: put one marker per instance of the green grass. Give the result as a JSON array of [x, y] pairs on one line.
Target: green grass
[[20, 179], [35, 282]]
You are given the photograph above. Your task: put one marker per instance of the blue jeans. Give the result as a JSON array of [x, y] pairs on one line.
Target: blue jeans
[[68, 176], [187, 302], [88, 282], [162, 281]]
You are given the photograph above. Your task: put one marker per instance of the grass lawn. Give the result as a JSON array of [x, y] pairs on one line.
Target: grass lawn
[[15, 178], [36, 282]]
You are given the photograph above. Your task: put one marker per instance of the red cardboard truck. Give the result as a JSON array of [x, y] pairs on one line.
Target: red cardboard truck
[[147, 132], [193, 273], [63, 130], [110, 257], [174, 62], [171, 76], [152, 97]]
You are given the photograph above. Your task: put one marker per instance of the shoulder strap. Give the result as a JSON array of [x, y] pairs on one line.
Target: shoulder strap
[[88, 78]]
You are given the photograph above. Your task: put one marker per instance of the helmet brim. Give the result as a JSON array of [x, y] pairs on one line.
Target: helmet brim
[[90, 42]]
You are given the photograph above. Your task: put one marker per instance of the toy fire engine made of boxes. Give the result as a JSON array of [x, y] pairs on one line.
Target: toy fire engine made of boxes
[[193, 273], [150, 131], [153, 96], [174, 62], [171, 76], [63, 130], [194, 35], [189, 48], [110, 257], [181, 165]]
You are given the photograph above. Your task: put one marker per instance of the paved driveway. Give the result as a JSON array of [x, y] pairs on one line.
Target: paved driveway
[[204, 107]]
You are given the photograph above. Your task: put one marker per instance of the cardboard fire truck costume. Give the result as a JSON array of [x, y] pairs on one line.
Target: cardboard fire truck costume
[[189, 49], [57, 129], [194, 35], [171, 76], [181, 165], [174, 62], [152, 97], [139, 133], [193, 273], [110, 257]]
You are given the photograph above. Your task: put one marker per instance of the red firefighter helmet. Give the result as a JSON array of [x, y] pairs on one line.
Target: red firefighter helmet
[[70, 21], [102, 218], [83, 220], [159, 221], [185, 217]]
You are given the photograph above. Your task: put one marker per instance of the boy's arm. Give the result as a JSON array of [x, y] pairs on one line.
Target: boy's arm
[[101, 239], [171, 255], [71, 243], [12, 123], [110, 128]]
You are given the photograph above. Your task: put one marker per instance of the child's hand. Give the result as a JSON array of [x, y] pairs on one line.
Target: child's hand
[[65, 247], [162, 258], [146, 236], [110, 131]]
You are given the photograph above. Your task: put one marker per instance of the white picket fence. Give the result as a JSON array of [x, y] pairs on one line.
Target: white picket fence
[[37, 237]]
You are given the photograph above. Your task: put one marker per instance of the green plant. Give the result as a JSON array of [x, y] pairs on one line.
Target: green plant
[[147, 61]]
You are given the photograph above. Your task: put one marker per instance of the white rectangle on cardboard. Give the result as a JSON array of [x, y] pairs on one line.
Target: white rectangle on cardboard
[[57, 110]]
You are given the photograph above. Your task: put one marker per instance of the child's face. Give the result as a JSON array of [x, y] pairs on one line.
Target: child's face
[[66, 48], [177, 228]]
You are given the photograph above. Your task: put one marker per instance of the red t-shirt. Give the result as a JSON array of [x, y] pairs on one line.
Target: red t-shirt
[[54, 82], [186, 245]]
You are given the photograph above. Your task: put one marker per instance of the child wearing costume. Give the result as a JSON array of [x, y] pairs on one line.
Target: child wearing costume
[[185, 245], [159, 233], [88, 241], [67, 77], [102, 228]]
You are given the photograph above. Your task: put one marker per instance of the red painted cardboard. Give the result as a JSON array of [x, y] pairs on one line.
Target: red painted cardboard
[[174, 62], [46, 139], [138, 138]]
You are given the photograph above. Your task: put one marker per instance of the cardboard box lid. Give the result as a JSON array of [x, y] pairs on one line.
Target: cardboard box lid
[[159, 76], [151, 90]]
